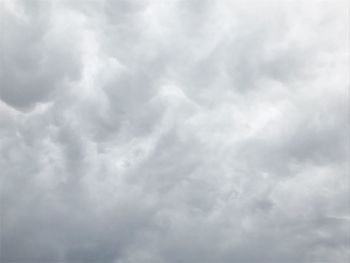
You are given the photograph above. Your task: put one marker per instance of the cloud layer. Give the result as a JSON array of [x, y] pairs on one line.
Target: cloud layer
[[174, 131]]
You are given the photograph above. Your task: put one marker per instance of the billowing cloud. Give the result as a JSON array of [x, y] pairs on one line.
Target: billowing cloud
[[174, 131]]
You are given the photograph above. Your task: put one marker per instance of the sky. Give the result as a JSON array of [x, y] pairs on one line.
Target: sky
[[174, 131]]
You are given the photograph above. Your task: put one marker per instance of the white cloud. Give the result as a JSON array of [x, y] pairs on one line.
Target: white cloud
[[174, 131]]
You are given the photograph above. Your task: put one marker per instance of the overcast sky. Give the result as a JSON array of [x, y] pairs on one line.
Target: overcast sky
[[174, 131]]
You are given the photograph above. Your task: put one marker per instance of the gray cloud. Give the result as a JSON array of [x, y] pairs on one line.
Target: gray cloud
[[178, 131], [38, 55]]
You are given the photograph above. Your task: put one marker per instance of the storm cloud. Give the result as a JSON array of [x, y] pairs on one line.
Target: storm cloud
[[149, 131]]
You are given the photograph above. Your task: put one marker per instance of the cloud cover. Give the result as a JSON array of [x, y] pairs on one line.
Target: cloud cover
[[174, 131]]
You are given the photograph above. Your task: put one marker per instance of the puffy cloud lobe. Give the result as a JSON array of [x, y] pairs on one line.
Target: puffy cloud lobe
[[38, 54], [177, 131]]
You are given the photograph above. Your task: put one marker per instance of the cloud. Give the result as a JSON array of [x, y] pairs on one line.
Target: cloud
[[177, 131], [38, 53]]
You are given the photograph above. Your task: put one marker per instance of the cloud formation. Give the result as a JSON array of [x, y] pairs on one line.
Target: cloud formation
[[174, 131]]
